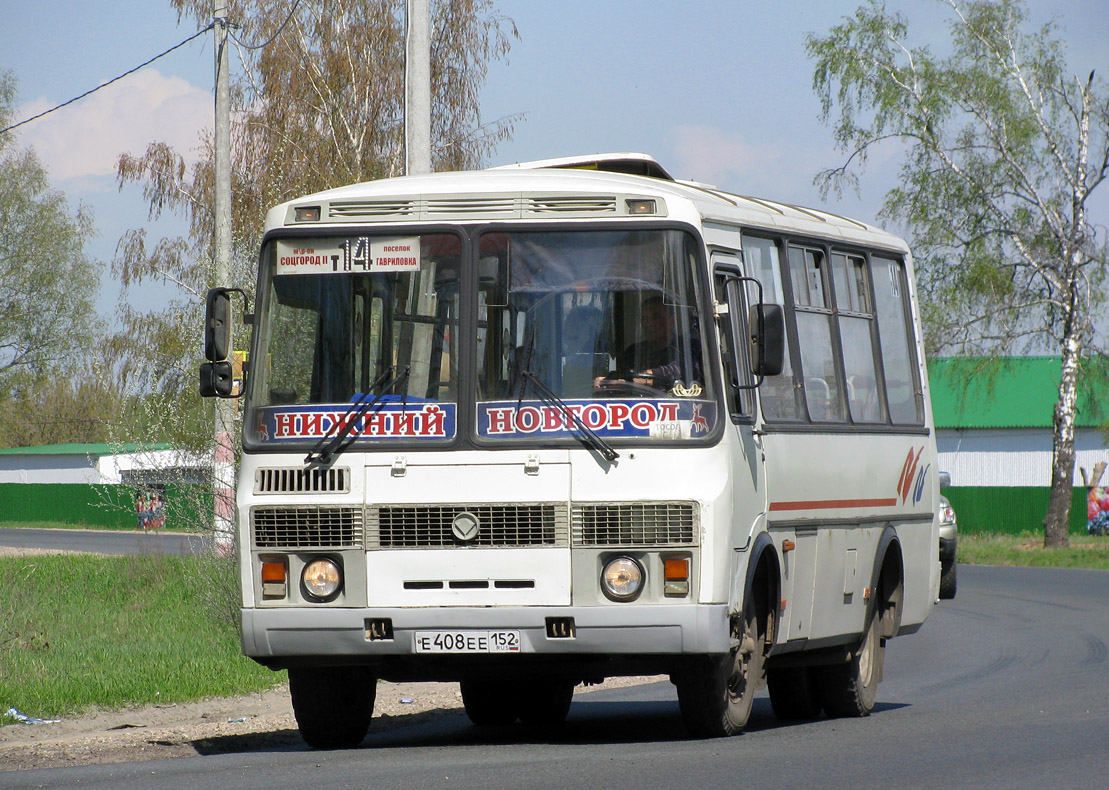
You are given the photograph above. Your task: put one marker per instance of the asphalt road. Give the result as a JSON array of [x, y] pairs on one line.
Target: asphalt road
[[102, 541], [1004, 687]]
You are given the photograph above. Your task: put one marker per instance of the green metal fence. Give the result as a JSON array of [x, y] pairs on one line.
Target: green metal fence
[[1008, 510], [187, 508]]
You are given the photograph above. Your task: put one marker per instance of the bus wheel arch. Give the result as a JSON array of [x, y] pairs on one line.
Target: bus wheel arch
[[887, 584]]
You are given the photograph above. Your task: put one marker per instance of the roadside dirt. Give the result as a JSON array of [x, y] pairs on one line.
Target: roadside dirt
[[216, 726]]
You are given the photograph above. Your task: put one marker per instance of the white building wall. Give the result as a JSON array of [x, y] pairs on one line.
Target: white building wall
[[1012, 456], [96, 470], [68, 468]]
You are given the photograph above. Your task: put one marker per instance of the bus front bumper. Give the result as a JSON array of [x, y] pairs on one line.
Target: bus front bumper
[[280, 636]]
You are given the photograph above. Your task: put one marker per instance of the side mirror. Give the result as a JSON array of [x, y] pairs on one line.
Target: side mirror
[[768, 339], [945, 479], [217, 324], [216, 380]]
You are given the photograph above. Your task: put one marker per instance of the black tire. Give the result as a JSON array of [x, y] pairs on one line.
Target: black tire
[[948, 582], [850, 689], [793, 693], [545, 703], [333, 705], [491, 704], [716, 693]]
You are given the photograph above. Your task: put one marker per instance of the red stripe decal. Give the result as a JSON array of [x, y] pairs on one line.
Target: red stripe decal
[[832, 504]]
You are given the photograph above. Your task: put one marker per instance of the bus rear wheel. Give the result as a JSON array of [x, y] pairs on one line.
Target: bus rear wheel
[[794, 694], [850, 689], [716, 693], [333, 705]]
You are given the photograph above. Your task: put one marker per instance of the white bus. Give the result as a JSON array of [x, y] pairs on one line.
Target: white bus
[[542, 425]]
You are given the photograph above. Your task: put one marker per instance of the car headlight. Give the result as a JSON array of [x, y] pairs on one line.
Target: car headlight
[[322, 579], [947, 514], [622, 579]]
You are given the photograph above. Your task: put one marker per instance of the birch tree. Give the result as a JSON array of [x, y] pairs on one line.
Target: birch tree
[[317, 102], [1002, 150]]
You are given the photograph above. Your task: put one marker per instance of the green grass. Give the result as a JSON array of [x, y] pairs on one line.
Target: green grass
[[58, 525], [81, 631], [1027, 549]]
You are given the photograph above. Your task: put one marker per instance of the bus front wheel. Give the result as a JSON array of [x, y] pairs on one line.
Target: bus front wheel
[[545, 702], [490, 704], [716, 694], [332, 705]]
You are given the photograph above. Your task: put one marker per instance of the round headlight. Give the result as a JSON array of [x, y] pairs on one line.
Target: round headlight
[[322, 578], [622, 579]]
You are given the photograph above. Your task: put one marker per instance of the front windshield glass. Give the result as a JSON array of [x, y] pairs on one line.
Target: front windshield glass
[[355, 320], [603, 325]]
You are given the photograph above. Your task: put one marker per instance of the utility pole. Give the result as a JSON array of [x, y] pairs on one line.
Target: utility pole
[[223, 469], [417, 89]]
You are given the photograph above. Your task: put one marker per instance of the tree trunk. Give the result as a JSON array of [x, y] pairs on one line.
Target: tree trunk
[[1057, 520]]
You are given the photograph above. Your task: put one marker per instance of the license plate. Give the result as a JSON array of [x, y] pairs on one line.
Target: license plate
[[467, 641]]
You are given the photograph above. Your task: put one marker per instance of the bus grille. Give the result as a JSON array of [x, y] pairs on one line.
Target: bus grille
[[302, 481], [306, 527], [635, 524], [499, 525]]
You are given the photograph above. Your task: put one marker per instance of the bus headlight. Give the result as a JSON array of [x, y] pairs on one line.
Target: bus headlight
[[322, 579], [622, 579]]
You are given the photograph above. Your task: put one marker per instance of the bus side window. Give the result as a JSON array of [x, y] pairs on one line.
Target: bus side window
[[777, 393], [891, 303], [823, 394], [732, 331]]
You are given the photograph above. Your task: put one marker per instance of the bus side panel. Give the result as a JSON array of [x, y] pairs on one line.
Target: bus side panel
[[836, 493]]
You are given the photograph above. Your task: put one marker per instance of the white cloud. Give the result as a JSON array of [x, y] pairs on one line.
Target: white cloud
[[712, 156], [84, 139]]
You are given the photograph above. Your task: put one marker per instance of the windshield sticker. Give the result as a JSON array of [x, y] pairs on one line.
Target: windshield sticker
[[389, 421], [651, 419], [361, 254]]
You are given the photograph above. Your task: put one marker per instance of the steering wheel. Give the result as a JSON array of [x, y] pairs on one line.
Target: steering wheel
[[620, 382]]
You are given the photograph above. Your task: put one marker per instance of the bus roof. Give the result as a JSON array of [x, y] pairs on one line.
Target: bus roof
[[587, 187]]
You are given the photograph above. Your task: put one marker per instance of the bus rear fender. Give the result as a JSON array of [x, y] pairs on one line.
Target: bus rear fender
[[887, 582]]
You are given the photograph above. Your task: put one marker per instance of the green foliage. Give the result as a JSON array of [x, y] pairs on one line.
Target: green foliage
[[79, 631], [48, 285], [1001, 153]]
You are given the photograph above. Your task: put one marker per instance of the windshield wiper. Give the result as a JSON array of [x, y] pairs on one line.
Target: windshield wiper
[[321, 454], [587, 436]]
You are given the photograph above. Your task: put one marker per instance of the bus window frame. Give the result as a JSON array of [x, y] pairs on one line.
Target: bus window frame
[[266, 262], [804, 423], [728, 265], [702, 285]]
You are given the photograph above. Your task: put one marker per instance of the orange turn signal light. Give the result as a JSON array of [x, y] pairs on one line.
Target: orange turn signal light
[[676, 570], [273, 579], [273, 571]]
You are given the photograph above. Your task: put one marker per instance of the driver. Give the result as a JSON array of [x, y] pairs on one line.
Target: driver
[[655, 361]]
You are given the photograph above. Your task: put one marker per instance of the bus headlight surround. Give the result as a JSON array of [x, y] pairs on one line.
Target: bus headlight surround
[[322, 579], [622, 579]]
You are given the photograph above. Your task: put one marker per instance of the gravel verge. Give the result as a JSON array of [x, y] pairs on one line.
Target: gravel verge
[[215, 726]]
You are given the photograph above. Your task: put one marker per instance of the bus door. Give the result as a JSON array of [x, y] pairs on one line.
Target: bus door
[[747, 463], [796, 544]]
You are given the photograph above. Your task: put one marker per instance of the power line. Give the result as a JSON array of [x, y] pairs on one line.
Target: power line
[[109, 82], [272, 38]]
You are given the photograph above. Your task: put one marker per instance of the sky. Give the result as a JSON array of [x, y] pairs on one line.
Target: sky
[[719, 91]]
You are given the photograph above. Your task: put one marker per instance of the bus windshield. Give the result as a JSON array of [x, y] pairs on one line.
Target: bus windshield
[[576, 331], [357, 320], [604, 321]]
